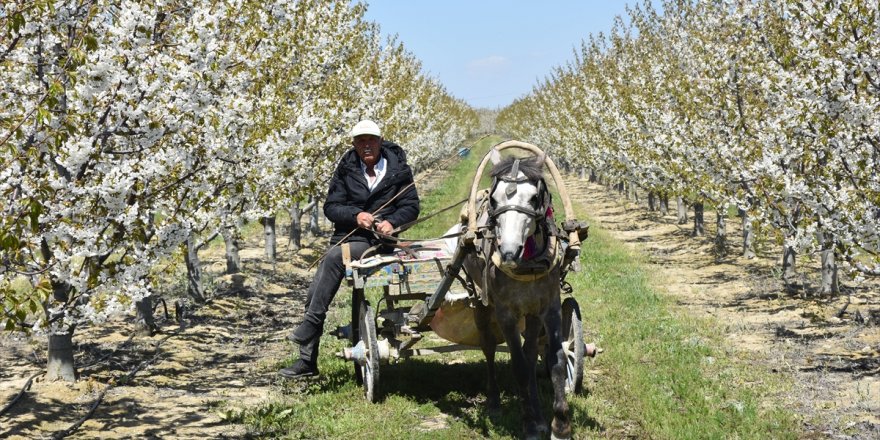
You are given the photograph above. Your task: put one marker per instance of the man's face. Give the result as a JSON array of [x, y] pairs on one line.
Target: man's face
[[367, 147]]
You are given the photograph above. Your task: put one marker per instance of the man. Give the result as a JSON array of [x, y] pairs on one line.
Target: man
[[372, 175]]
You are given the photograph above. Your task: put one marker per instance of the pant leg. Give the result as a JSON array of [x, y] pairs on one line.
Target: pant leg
[[322, 290]]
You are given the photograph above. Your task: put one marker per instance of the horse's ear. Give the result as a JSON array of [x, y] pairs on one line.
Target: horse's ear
[[494, 156], [540, 159]]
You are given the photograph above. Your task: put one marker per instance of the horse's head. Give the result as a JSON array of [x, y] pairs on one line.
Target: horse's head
[[518, 203]]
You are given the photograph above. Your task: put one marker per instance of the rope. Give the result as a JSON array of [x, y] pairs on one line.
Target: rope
[[413, 223]]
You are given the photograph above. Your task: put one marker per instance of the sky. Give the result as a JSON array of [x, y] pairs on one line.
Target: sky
[[490, 52]]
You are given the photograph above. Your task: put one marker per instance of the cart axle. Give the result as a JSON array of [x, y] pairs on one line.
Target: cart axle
[[359, 353], [591, 350]]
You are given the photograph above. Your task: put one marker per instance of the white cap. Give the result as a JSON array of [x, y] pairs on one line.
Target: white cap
[[366, 127]]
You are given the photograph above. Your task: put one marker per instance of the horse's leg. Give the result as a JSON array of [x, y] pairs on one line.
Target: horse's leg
[[483, 320], [561, 426], [508, 323], [530, 350]]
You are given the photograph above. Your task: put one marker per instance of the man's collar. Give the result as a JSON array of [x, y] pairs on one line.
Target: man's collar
[[380, 165]]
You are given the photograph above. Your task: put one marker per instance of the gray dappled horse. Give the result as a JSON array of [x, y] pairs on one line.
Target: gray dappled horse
[[516, 272]]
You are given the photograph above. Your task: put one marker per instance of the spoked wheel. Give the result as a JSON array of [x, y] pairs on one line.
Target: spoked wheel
[[573, 345], [369, 366]]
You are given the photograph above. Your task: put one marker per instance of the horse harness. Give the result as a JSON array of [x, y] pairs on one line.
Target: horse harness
[[547, 253]]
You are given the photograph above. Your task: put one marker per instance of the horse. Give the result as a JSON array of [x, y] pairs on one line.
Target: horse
[[515, 270]]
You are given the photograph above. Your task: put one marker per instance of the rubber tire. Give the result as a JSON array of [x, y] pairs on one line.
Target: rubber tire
[[357, 316], [573, 345], [370, 371]]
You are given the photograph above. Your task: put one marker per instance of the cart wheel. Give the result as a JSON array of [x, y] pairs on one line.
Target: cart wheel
[[357, 316], [573, 345], [370, 369]]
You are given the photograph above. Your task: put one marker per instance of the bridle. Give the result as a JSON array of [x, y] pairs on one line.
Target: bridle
[[548, 257], [511, 179]]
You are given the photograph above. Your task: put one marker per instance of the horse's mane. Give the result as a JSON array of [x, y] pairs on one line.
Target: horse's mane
[[533, 167]]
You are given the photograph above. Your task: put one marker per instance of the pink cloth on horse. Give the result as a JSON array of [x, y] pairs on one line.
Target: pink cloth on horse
[[530, 246]]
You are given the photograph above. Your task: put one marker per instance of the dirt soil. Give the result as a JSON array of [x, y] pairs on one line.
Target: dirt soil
[[224, 356], [226, 353], [828, 345]]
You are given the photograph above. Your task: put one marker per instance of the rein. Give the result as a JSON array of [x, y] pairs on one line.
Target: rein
[[417, 221]]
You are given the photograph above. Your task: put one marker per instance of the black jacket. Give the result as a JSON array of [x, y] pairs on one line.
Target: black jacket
[[349, 195]]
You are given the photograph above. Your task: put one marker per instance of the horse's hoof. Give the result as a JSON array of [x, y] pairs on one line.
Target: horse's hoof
[[560, 433]]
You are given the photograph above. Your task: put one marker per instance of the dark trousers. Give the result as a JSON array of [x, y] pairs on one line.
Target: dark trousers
[[323, 288]]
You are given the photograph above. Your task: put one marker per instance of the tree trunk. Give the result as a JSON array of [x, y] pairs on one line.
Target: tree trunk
[[830, 283], [788, 265], [748, 249], [664, 204], [194, 287], [633, 192], [233, 259], [314, 220], [721, 229], [651, 201], [682, 210], [295, 237], [582, 173], [269, 234], [593, 177], [699, 224], [59, 365], [144, 324]]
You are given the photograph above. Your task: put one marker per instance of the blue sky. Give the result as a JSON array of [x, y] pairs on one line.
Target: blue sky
[[490, 52]]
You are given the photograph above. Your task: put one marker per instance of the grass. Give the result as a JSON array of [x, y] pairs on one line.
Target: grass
[[670, 373], [663, 374]]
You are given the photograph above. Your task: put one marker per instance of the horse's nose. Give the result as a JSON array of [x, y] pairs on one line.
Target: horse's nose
[[510, 256]]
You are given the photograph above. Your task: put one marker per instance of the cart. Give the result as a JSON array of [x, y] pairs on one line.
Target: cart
[[423, 292]]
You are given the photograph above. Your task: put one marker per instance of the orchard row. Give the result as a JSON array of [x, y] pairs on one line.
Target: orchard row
[[772, 107], [131, 131]]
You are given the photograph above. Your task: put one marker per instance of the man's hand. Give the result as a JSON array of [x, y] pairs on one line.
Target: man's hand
[[365, 220], [384, 227]]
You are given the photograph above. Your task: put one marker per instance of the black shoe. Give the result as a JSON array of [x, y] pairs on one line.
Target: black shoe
[[305, 332], [298, 370]]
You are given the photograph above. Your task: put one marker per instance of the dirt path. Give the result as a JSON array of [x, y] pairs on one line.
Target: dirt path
[[833, 357], [227, 353], [224, 356]]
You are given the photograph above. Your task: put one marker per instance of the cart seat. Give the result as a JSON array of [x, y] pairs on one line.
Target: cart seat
[[408, 252], [415, 266]]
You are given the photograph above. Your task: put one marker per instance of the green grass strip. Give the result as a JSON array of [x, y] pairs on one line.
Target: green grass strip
[[671, 374]]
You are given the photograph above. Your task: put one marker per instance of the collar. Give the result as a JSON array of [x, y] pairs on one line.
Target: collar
[[379, 169]]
